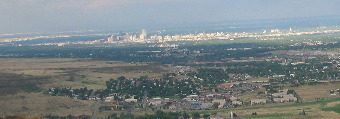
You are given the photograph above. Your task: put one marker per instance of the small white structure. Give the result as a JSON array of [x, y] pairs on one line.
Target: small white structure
[[236, 103], [109, 99], [131, 100]]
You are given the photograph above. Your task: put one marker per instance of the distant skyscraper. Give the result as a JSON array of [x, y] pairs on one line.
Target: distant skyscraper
[[127, 37], [144, 34], [111, 39]]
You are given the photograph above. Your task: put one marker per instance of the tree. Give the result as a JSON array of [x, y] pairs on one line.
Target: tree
[[215, 105], [159, 113], [206, 116], [173, 115], [121, 78], [113, 116], [69, 117], [195, 115], [186, 116], [302, 113]]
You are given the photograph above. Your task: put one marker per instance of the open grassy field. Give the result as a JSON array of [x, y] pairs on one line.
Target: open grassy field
[[308, 93], [327, 109], [311, 92], [24, 80], [38, 104], [78, 73]]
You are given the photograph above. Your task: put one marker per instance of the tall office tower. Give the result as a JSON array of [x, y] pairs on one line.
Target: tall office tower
[[144, 34], [111, 39], [133, 37]]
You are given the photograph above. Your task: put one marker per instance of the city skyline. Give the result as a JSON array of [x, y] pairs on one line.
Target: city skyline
[[65, 15]]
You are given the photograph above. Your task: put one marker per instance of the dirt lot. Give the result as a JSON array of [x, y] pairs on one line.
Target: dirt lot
[[24, 80]]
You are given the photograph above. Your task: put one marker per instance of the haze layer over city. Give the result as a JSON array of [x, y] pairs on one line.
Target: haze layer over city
[[19, 16], [169, 59]]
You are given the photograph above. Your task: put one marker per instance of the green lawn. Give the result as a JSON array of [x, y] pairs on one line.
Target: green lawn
[[336, 108], [88, 82], [278, 115]]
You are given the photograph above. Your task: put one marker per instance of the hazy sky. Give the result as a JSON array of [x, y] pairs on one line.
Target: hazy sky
[[66, 15]]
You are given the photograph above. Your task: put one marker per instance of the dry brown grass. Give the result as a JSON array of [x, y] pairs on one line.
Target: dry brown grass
[[89, 73], [310, 92], [253, 95], [39, 104], [312, 111], [68, 72], [307, 92]]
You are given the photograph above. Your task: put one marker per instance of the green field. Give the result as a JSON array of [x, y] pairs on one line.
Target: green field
[[336, 108], [278, 115]]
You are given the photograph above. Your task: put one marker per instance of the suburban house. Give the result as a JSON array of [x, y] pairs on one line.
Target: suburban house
[[236, 103], [131, 100], [109, 99], [172, 107], [222, 102], [233, 98], [283, 96], [258, 101], [281, 93], [286, 98]]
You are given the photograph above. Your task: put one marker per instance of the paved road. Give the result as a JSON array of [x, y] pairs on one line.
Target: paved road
[[96, 109], [145, 100]]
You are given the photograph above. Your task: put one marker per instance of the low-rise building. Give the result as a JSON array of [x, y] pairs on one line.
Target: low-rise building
[[109, 99], [222, 102], [131, 100], [233, 98], [236, 103], [286, 98], [258, 101], [283, 96], [281, 93], [155, 102]]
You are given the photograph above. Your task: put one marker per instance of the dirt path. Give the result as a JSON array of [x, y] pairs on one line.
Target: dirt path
[[96, 109]]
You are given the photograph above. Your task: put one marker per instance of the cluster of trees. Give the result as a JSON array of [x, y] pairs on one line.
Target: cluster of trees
[[310, 70], [167, 86], [161, 115], [162, 87], [82, 93], [211, 77], [67, 117]]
